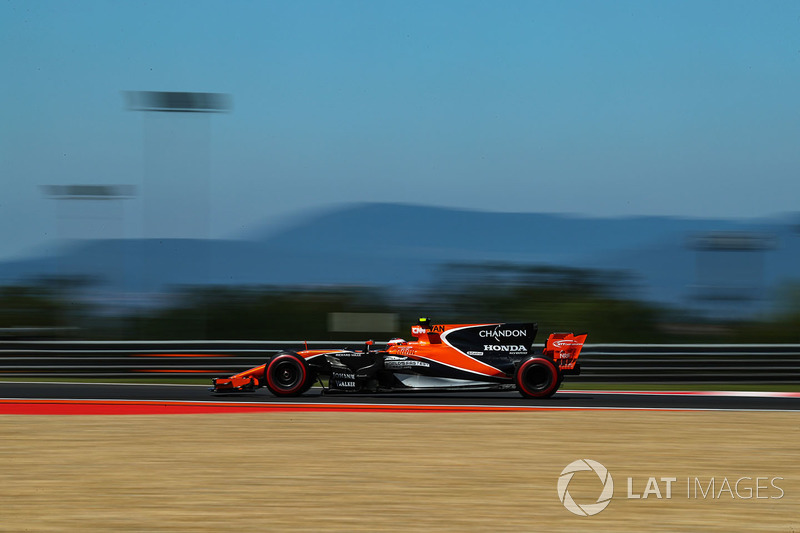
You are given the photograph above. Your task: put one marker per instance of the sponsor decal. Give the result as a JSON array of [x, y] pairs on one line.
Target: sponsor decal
[[417, 330], [343, 380], [474, 353], [565, 343], [405, 363], [511, 348], [437, 329], [498, 333]]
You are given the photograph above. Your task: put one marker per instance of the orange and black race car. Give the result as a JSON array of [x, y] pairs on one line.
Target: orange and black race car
[[444, 357]]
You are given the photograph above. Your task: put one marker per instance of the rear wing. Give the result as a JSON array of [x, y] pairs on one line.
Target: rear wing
[[564, 348]]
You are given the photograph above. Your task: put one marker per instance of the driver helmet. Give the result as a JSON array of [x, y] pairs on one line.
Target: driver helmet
[[396, 342]]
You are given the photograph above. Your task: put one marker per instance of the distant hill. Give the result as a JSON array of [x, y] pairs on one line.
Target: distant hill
[[451, 234], [401, 245]]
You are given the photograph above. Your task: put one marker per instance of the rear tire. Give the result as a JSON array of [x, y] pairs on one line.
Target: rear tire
[[287, 374], [537, 377]]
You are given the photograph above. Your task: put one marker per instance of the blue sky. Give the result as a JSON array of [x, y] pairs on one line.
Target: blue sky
[[596, 108]]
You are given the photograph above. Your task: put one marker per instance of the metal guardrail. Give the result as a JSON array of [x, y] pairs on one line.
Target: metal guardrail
[[115, 359], [753, 363], [744, 363]]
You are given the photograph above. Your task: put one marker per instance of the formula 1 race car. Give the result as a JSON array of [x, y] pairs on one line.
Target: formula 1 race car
[[444, 357]]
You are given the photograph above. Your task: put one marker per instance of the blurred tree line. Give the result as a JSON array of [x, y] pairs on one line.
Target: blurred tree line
[[602, 303]]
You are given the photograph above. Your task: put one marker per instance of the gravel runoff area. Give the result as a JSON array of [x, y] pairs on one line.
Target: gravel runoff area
[[399, 471]]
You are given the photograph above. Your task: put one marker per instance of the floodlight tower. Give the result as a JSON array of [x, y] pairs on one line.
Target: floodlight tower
[[729, 275], [175, 192], [90, 211], [176, 158]]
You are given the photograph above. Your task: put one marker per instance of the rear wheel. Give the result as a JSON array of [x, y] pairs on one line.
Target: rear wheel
[[288, 374], [537, 377]]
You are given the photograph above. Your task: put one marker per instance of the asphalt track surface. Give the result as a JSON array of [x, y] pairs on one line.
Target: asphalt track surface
[[565, 399]]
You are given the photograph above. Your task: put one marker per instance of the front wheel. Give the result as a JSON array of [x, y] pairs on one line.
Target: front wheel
[[287, 374], [537, 377]]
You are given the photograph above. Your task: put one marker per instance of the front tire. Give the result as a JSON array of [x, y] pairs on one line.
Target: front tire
[[287, 374], [537, 377]]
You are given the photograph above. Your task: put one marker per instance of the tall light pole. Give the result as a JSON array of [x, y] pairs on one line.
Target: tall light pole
[[90, 211], [93, 212], [175, 192], [729, 270]]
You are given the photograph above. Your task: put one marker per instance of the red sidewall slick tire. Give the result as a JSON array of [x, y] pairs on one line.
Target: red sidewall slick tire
[[288, 375], [537, 378]]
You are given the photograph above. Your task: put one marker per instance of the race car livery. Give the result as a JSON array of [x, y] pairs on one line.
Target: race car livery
[[493, 356]]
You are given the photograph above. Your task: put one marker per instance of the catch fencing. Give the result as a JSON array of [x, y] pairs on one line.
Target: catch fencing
[[743, 363]]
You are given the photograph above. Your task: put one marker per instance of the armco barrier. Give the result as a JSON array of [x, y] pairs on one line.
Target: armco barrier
[[754, 363]]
